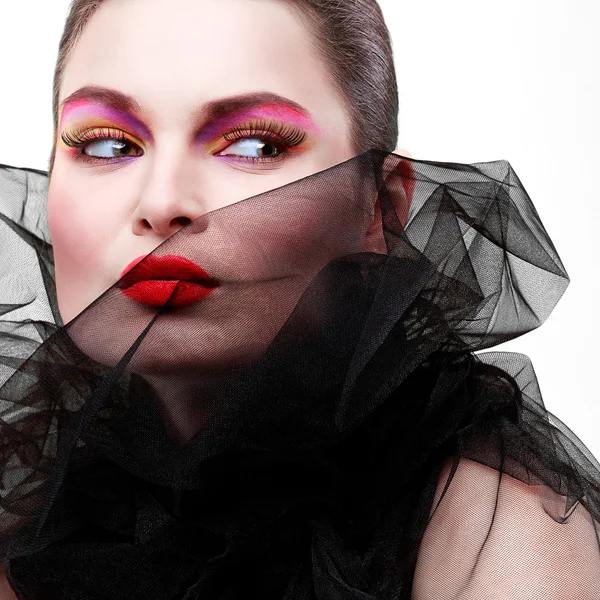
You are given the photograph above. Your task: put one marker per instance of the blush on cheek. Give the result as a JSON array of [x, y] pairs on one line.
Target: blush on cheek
[[78, 220], [78, 247], [66, 220]]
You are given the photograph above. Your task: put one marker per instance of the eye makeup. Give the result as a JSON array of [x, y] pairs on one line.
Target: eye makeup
[[81, 139], [277, 112], [82, 109], [277, 124], [283, 136]]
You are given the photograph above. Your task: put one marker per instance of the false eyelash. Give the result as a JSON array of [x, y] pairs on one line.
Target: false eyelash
[[280, 132], [277, 133], [80, 137]]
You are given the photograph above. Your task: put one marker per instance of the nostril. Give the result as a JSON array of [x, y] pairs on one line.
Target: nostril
[[183, 220]]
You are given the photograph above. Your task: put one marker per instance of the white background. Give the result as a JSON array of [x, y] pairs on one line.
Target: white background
[[479, 80]]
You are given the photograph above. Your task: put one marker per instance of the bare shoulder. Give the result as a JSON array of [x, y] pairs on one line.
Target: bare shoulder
[[6, 592], [492, 537]]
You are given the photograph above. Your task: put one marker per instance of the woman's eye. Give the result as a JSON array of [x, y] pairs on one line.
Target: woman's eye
[[110, 148], [251, 148]]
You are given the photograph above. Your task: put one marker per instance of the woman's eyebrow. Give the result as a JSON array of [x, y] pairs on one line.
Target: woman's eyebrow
[[214, 109]]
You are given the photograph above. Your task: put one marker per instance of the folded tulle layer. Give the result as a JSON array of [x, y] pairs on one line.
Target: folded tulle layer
[[284, 437]]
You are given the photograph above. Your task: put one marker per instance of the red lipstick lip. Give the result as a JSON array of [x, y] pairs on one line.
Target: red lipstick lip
[[169, 279]]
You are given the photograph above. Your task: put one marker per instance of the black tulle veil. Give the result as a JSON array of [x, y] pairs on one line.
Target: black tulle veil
[[340, 380]]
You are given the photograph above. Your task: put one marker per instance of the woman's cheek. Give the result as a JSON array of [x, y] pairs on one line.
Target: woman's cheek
[[65, 221], [76, 235], [78, 213]]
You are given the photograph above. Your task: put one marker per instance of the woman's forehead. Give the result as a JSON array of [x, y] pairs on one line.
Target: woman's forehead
[[178, 54]]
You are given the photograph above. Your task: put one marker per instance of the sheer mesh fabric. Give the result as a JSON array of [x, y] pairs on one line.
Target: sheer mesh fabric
[[328, 423]]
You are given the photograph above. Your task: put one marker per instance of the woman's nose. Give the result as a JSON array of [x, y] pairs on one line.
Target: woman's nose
[[167, 201], [161, 224]]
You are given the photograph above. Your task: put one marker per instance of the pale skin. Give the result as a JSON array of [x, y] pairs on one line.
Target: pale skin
[[136, 203], [178, 176], [149, 50]]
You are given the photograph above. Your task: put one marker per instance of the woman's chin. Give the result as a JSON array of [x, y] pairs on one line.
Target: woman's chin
[[164, 346]]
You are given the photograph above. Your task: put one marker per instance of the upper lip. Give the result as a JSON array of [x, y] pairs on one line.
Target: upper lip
[[167, 267]]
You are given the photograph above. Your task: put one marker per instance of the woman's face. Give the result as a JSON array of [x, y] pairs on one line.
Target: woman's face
[[210, 102]]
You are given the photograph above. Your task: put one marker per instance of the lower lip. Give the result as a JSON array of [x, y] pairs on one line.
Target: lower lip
[[173, 292]]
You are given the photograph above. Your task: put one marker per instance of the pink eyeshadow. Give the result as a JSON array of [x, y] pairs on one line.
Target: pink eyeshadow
[[268, 111], [81, 109], [85, 108]]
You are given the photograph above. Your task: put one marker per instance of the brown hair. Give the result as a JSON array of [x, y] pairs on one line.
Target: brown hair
[[352, 37]]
